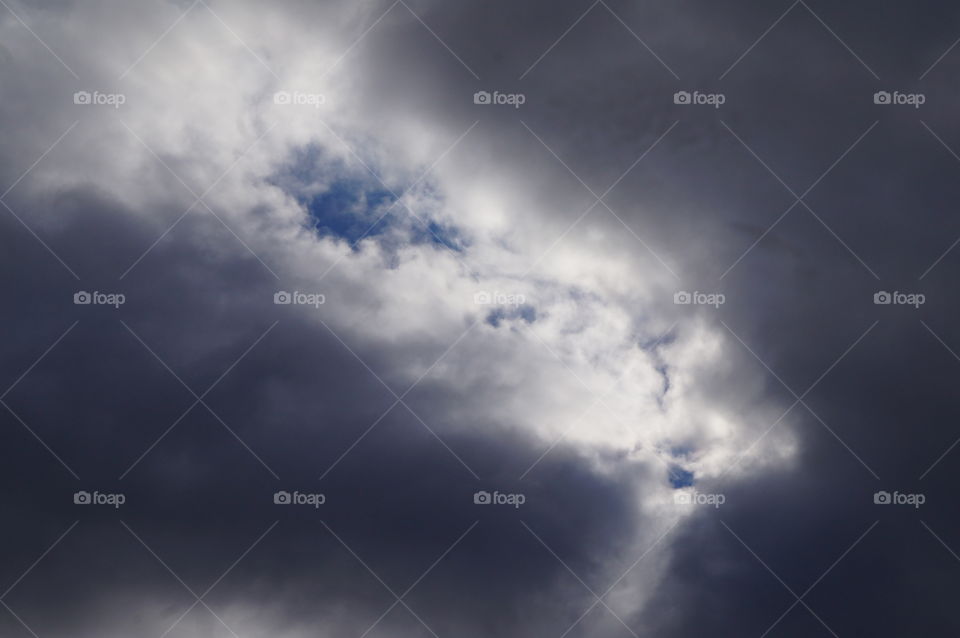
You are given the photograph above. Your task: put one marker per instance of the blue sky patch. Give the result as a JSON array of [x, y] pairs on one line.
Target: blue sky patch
[[348, 210], [525, 311], [680, 477]]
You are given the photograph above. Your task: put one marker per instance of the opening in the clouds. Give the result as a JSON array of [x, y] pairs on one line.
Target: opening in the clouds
[[350, 211], [351, 204], [680, 477], [525, 312]]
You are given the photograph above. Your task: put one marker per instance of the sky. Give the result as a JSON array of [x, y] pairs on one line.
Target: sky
[[415, 318]]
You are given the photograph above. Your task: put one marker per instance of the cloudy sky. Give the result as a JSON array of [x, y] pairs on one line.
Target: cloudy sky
[[475, 319]]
